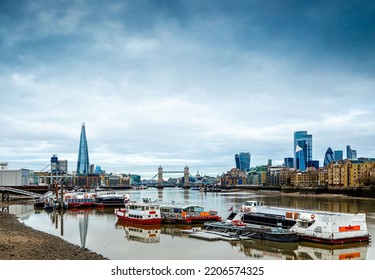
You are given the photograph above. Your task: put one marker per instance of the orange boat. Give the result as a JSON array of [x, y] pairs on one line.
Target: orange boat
[[187, 214]]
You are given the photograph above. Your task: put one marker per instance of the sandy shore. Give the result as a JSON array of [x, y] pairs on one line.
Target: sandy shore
[[20, 242]]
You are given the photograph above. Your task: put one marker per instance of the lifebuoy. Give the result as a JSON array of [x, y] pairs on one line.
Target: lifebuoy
[[312, 216]]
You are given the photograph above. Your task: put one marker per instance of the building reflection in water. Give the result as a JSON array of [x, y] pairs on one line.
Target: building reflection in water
[[83, 222], [82, 216]]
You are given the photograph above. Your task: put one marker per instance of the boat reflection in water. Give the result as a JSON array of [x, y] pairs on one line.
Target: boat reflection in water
[[141, 233], [259, 249]]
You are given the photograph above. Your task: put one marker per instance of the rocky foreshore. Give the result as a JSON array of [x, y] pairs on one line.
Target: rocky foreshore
[[20, 242]]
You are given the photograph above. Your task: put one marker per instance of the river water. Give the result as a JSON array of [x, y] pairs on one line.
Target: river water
[[99, 230]]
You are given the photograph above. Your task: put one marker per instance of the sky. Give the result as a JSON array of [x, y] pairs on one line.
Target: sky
[[184, 83]]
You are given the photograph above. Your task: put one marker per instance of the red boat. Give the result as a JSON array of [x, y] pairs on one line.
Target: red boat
[[79, 202], [144, 212]]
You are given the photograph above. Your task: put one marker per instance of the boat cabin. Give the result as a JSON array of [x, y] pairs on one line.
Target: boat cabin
[[186, 213], [178, 209], [250, 205]]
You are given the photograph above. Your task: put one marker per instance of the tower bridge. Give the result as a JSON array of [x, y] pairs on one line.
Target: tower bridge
[[185, 172]]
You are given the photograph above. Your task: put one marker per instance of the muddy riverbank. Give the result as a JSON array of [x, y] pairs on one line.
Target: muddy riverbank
[[20, 242]]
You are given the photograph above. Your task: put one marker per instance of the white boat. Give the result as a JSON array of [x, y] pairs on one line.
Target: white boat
[[144, 212], [318, 226]]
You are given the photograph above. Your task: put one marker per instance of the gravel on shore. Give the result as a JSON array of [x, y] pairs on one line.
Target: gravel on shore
[[20, 242]]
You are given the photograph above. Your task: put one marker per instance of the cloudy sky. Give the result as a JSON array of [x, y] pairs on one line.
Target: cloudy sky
[[177, 83]]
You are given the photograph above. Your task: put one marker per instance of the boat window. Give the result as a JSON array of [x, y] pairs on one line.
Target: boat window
[[303, 224], [199, 209], [306, 224], [318, 229]]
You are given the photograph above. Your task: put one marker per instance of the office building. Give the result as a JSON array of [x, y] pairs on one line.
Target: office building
[[288, 162], [302, 149], [313, 163], [83, 153], [350, 153], [243, 161], [58, 166], [54, 163], [338, 155], [329, 157]]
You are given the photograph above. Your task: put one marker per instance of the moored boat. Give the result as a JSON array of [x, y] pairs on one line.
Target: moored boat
[[311, 225], [79, 202], [79, 199], [246, 231], [144, 212], [187, 214], [110, 198]]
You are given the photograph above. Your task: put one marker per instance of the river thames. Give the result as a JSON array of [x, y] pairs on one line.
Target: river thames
[[98, 229]]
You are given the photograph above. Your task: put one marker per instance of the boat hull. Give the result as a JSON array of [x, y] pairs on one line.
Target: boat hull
[[133, 215], [155, 221], [253, 231], [78, 203], [109, 202], [365, 238]]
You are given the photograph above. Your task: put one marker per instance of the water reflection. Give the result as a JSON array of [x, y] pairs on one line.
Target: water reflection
[[303, 250], [100, 231], [83, 221], [140, 233]]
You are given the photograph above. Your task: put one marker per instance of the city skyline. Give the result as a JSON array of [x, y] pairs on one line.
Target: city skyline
[[184, 82]]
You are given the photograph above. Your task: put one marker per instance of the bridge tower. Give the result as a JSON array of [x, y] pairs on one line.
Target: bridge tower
[[160, 176], [186, 176]]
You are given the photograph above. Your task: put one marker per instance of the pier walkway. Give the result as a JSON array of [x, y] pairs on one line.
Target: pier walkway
[[7, 190]]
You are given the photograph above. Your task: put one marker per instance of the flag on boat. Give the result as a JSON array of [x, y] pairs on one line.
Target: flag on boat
[[230, 209]]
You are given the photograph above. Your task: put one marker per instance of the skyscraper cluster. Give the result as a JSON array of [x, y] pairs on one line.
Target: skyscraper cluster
[[303, 153]]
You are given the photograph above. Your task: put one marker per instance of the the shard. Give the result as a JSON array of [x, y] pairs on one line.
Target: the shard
[[83, 153]]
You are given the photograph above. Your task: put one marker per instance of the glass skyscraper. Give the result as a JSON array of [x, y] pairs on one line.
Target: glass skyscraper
[[350, 153], [83, 153], [339, 155], [288, 162], [243, 161], [302, 149], [329, 157]]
